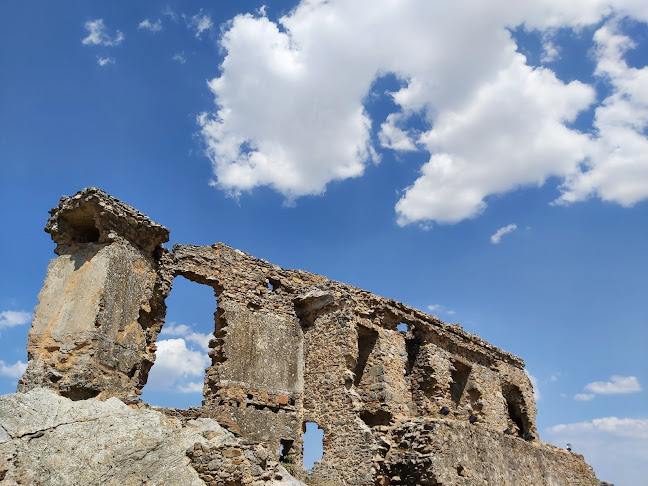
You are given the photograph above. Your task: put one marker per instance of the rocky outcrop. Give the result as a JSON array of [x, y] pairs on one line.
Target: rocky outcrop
[[46, 439]]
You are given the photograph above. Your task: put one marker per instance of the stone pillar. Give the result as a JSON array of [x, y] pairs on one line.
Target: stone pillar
[[102, 303]]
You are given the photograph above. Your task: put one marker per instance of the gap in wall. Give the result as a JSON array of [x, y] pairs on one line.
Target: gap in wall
[[313, 445], [177, 376]]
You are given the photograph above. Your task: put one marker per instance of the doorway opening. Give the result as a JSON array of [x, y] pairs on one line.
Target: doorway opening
[[178, 374]]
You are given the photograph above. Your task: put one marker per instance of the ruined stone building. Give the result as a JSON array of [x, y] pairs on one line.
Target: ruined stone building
[[402, 398]]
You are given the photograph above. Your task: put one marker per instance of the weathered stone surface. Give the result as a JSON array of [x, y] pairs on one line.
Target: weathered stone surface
[[444, 452], [95, 327], [46, 439], [290, 347]]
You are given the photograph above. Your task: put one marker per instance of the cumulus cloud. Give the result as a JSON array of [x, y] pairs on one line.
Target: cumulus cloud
[[180, 360], [188, 334], [152, 26], [175, 363], [14, 371], [290, 103], [104, 61], [14, 318], [616, 386], [98, 34], [199, 23], [497, 237], [617, 166], [627, 437]]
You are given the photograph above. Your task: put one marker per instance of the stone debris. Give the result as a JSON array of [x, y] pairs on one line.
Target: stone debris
[[402, 397]]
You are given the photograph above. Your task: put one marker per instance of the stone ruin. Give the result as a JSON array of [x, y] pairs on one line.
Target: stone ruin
[[402, 397]]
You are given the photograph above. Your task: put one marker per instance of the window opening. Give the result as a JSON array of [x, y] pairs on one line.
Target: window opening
[[366, 341], [178, 373], [286, 454], [518, 421], [313, 445], [459, 374], [402, 327]]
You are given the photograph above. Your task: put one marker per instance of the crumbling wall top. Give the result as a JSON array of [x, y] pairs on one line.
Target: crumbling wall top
[[91, 215]]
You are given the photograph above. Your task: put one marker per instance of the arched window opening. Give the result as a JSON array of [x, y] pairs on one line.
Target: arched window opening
[[178, 374]]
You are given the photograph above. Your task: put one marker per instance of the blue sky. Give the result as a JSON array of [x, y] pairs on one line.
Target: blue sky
[[489, 167]]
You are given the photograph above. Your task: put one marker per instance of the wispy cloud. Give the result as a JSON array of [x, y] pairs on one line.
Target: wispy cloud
[[14, 318], [104, 61], [438, 308], [192, 387], [615, 386], [584, 397], [170, 13], [179, 57], [199, 23], [98, 34], [15, 370], [497, 237], [146, 24], [550, 52]]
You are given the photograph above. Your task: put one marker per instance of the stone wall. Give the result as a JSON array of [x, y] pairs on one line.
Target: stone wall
[[290, 347]]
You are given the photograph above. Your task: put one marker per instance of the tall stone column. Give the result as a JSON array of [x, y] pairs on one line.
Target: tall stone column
[[102, 303]]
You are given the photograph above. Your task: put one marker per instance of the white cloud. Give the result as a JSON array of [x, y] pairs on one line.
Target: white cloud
[[199, 23], [391, 136], [188, 334], [14, 318], [170, 13], [152, 26], [98, 34], [191, 387], [584, 397], [627, 437], [15, 370], [290, 115], [550, 51], [174, 364], [497, 237], [617, 167], [440, 308], [617, 385], [104, 61], [179, 57]]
